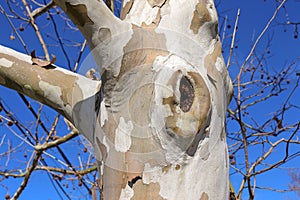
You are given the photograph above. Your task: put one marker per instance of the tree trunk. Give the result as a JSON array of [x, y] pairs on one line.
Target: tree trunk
[[158, 126]]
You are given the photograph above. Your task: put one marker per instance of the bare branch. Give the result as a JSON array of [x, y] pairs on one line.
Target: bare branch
[[37, 31], [48, 145], [27, 176], [21, 174], [50, 86], [39, 11], [261, 35], [233, 37]]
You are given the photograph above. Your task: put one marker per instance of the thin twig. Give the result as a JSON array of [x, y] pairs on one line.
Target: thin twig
[[39, 11], [242, 127], [53, 128], [37, 31], [224, 29], [38, 120], [61, 44], [233, 37], [79, 56], [14, 29], [27, 176], [55, 143], [20, 173], [261, 35]]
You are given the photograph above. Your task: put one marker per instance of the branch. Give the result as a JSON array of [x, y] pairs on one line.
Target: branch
[[36, 29], [58, 88], [233, 37], [48, 145], [68, 172], [105, 33], [260, 36], [20, 173], [242, 126], [39, 11], [27, 176]]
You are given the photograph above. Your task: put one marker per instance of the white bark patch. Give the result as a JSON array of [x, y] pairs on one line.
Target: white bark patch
[[52, 92], [15, 54], [220, 65], [123, 135], [142, 13], [126, 193], [151, 175], [180, 39], [212, 10], [88, 87], [105, 144], [189, 126], [158, 63], [103, 113], [6, 63], [188, 182], [64, 71]]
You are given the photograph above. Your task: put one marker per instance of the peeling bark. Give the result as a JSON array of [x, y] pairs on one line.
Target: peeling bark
[[165, 93], [68, 93]]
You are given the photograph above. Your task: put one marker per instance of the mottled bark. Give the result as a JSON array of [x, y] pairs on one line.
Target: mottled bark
[[70, 94], [160, 131]]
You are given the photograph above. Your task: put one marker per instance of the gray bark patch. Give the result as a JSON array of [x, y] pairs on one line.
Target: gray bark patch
[[104, 35], [186, 94], [79, 14]]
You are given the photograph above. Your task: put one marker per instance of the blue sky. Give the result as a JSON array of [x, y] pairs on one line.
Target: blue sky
[[284, 49], [255, 14]]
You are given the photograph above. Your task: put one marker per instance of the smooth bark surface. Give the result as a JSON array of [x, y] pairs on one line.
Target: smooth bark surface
[[160, 129], [70, 94]]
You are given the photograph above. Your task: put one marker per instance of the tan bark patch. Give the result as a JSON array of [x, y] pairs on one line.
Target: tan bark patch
[[144, 46], [204, 196], [211, 59], [135, 168], [146, 191], [126, 9], [79, 14], [113, 182], [201, 15]]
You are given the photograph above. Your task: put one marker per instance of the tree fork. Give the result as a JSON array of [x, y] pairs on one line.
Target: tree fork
[[158, 126]]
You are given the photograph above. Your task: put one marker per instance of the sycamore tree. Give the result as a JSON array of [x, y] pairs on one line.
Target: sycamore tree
[[156, 119], [146, 117]]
